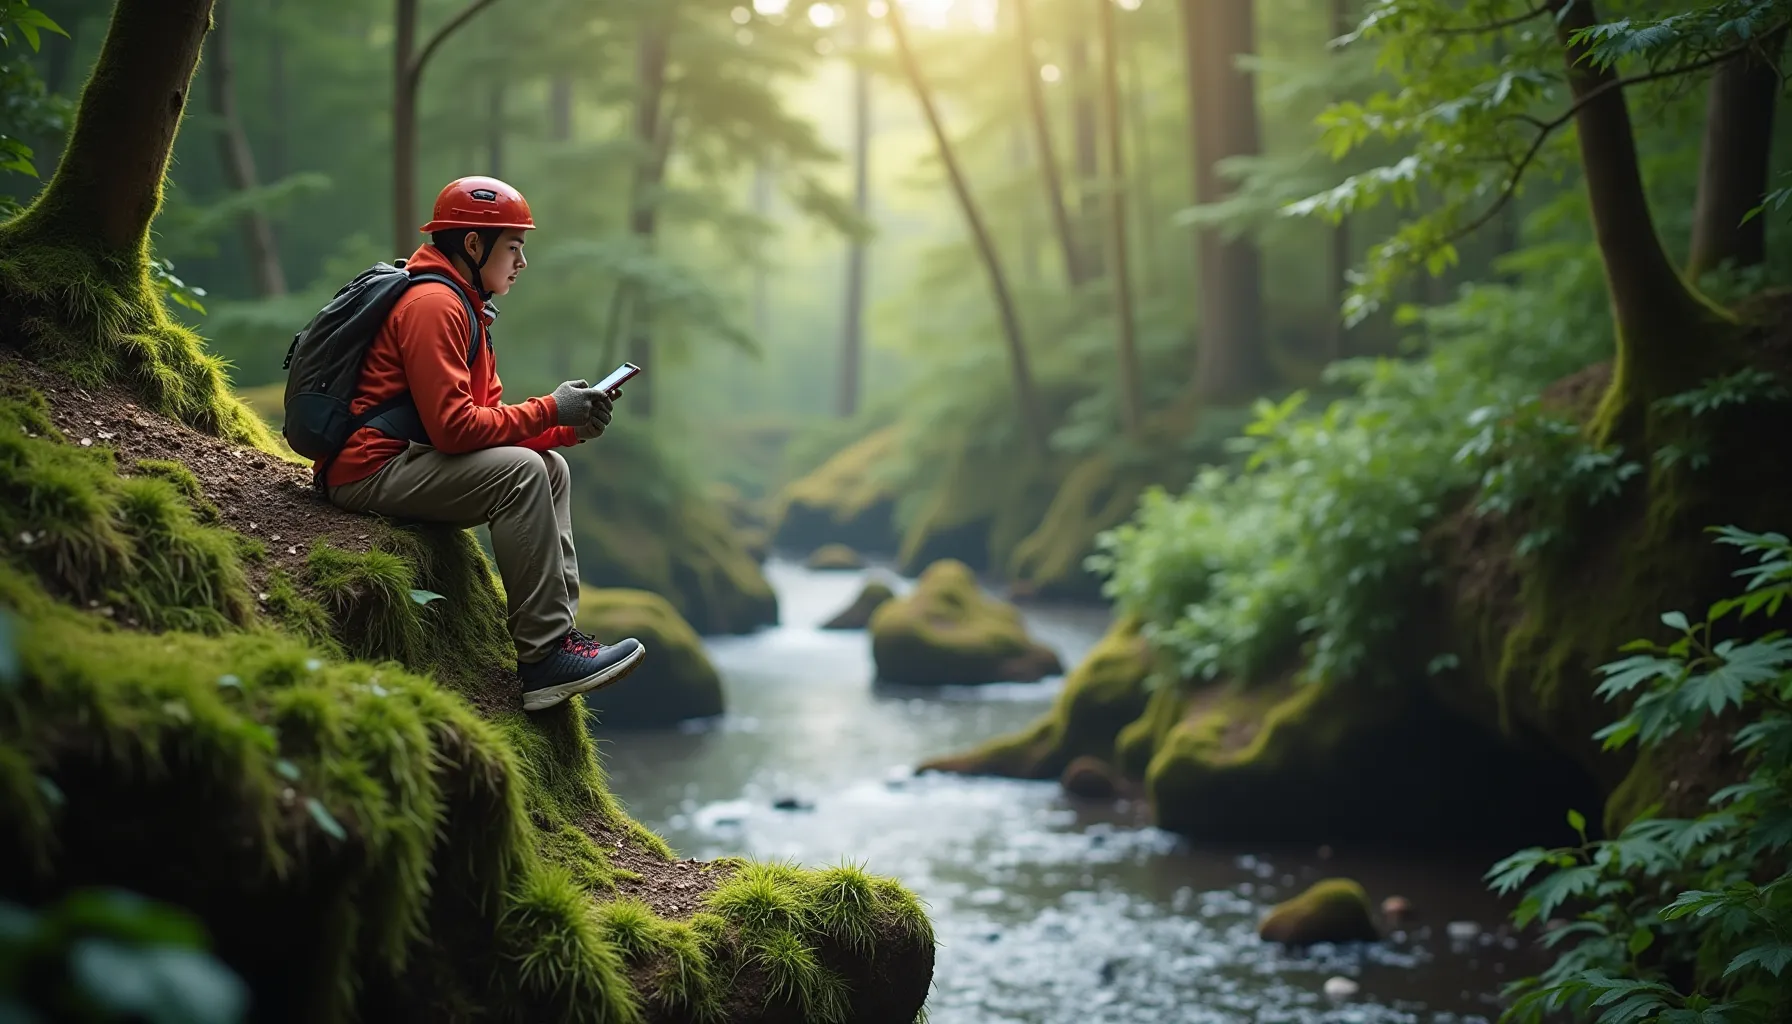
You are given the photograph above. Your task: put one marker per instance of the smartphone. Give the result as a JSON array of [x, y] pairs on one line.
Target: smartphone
[[617, 377]]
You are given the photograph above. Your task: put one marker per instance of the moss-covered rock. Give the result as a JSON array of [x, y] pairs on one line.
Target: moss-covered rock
[[1331, 910], [834, 557], [857, 615], [674, 680], [948, 632], [1326, 762], [1102, 694], [846, 500], [1097, 494], [642, 524], [1090, 778]]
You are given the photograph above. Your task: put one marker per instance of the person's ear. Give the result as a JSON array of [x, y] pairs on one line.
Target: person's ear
[[472, 246]]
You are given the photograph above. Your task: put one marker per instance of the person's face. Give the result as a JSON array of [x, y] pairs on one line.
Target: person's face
[[507, 260]]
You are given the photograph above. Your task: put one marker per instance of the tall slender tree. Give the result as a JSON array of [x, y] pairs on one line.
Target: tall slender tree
[[1734, 160], [852, 340], [653, 127], [1085, 143], [277, 114], [1339, 267], [408, 62], [1232, 364], [1138, 118], [1131, 403], [1075, 267], [238, 158], [1026, 395]]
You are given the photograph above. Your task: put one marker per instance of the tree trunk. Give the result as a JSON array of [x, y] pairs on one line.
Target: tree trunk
[[1131, 402], [494, 130], [1733, 164], [1223, 103], [652, 139], [404, 129], [762, 206], [1085, 144], [408, 62], [276, 93], [1025, 396], [1665, 330], [560, 108], [1339, 268], [1075, 270], [108, 186], [852, 342], [1145, 209], [239, 160]]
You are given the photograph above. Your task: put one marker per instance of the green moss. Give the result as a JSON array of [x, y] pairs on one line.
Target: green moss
[[847, 499], [946, 631], [1104, 693], [297, 614], [1331, 910], [131, 546], [184, 481], [1137, 743], [976, 511], [1097, 494], [674, 681]]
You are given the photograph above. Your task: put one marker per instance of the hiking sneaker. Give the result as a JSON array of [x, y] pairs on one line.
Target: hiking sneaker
[[578, 664]]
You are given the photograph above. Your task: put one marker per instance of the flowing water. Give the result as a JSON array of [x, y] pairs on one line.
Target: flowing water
[[1046, 909]]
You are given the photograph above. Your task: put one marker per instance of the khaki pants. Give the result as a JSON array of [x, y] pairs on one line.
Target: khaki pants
[[523, 494]]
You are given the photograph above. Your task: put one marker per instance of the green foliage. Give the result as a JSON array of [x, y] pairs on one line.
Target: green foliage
[[1316, 538], [24, 105], [1682, 920], [102, 955]]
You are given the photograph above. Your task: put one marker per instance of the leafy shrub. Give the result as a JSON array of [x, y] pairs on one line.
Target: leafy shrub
[[1317, 538], [1682, 920]]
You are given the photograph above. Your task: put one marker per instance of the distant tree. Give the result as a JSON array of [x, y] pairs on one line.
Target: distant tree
[[1020, 371], [1231, 362], [852, 328], [238, 158], [1734, 160], [1075, 269], [408, 62], [1131, 402]]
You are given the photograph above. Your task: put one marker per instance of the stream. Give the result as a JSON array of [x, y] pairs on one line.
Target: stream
[[1047, 909]]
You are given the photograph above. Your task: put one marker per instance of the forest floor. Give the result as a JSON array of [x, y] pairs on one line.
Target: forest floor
[[272, 499]]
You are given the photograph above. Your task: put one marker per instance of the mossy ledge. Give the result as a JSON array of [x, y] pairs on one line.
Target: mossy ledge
[[336, 778]]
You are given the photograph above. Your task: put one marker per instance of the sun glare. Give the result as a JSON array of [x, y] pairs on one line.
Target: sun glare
[[823, 15], [770, 7]]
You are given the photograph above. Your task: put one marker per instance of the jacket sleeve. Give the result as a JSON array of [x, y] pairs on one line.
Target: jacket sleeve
[[553, 437], [432, 336]]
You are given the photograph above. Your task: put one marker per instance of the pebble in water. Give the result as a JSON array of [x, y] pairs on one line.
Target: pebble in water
[[1339, 987]]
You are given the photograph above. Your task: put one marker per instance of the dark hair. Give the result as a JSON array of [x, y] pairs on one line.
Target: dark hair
[[449, 240]]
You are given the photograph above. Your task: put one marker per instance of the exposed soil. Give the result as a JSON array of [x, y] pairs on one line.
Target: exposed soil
[[257, 494], [674, 889]]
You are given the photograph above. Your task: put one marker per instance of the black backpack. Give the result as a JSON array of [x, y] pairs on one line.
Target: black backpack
[[324, 366]]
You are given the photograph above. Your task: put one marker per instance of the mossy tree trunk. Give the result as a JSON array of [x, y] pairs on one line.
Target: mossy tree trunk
[[1085, 146], [1669, 338], [1223, 108], [1734, 160], [108, 186], [238, 159], [1074, 270], [408, 62], [1127, 356], [1026, 395]]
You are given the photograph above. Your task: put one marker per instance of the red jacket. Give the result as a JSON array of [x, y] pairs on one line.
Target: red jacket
[[423, 347]]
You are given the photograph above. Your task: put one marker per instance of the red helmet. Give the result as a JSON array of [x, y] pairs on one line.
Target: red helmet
[[479, 202]]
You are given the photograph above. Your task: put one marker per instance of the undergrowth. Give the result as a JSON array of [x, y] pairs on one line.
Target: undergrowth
[[1316, 538]]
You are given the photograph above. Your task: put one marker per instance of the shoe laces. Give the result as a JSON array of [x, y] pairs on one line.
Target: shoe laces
[[583, 643]]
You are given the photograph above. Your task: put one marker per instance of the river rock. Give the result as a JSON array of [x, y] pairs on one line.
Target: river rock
[[1090, 778], [833, 557], [1340, 987], [858, 614], [1332, 910], [948, 632], [674, 680]]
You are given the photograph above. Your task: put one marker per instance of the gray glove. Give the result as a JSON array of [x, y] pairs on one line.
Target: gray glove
[[602, 409], [574, 399]]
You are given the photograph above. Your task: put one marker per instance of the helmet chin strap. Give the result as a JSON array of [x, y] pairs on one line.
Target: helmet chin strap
[[478, 277]]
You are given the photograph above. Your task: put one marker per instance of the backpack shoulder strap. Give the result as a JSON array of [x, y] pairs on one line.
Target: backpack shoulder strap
[[428, 277]]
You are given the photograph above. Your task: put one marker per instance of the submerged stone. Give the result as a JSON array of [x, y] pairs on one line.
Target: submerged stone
[[1331, 910], [834, 557], [857, 615]]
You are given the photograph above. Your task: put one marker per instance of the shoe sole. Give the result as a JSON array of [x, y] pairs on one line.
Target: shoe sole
[[540, 700]]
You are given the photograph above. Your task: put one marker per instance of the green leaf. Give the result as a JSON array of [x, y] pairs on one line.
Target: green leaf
[[158, 984], [1578, 822], [424, 597], [11, 669], [325, 820], [287, 770], [1640, 940], [1676, 620], [1772, 957]]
